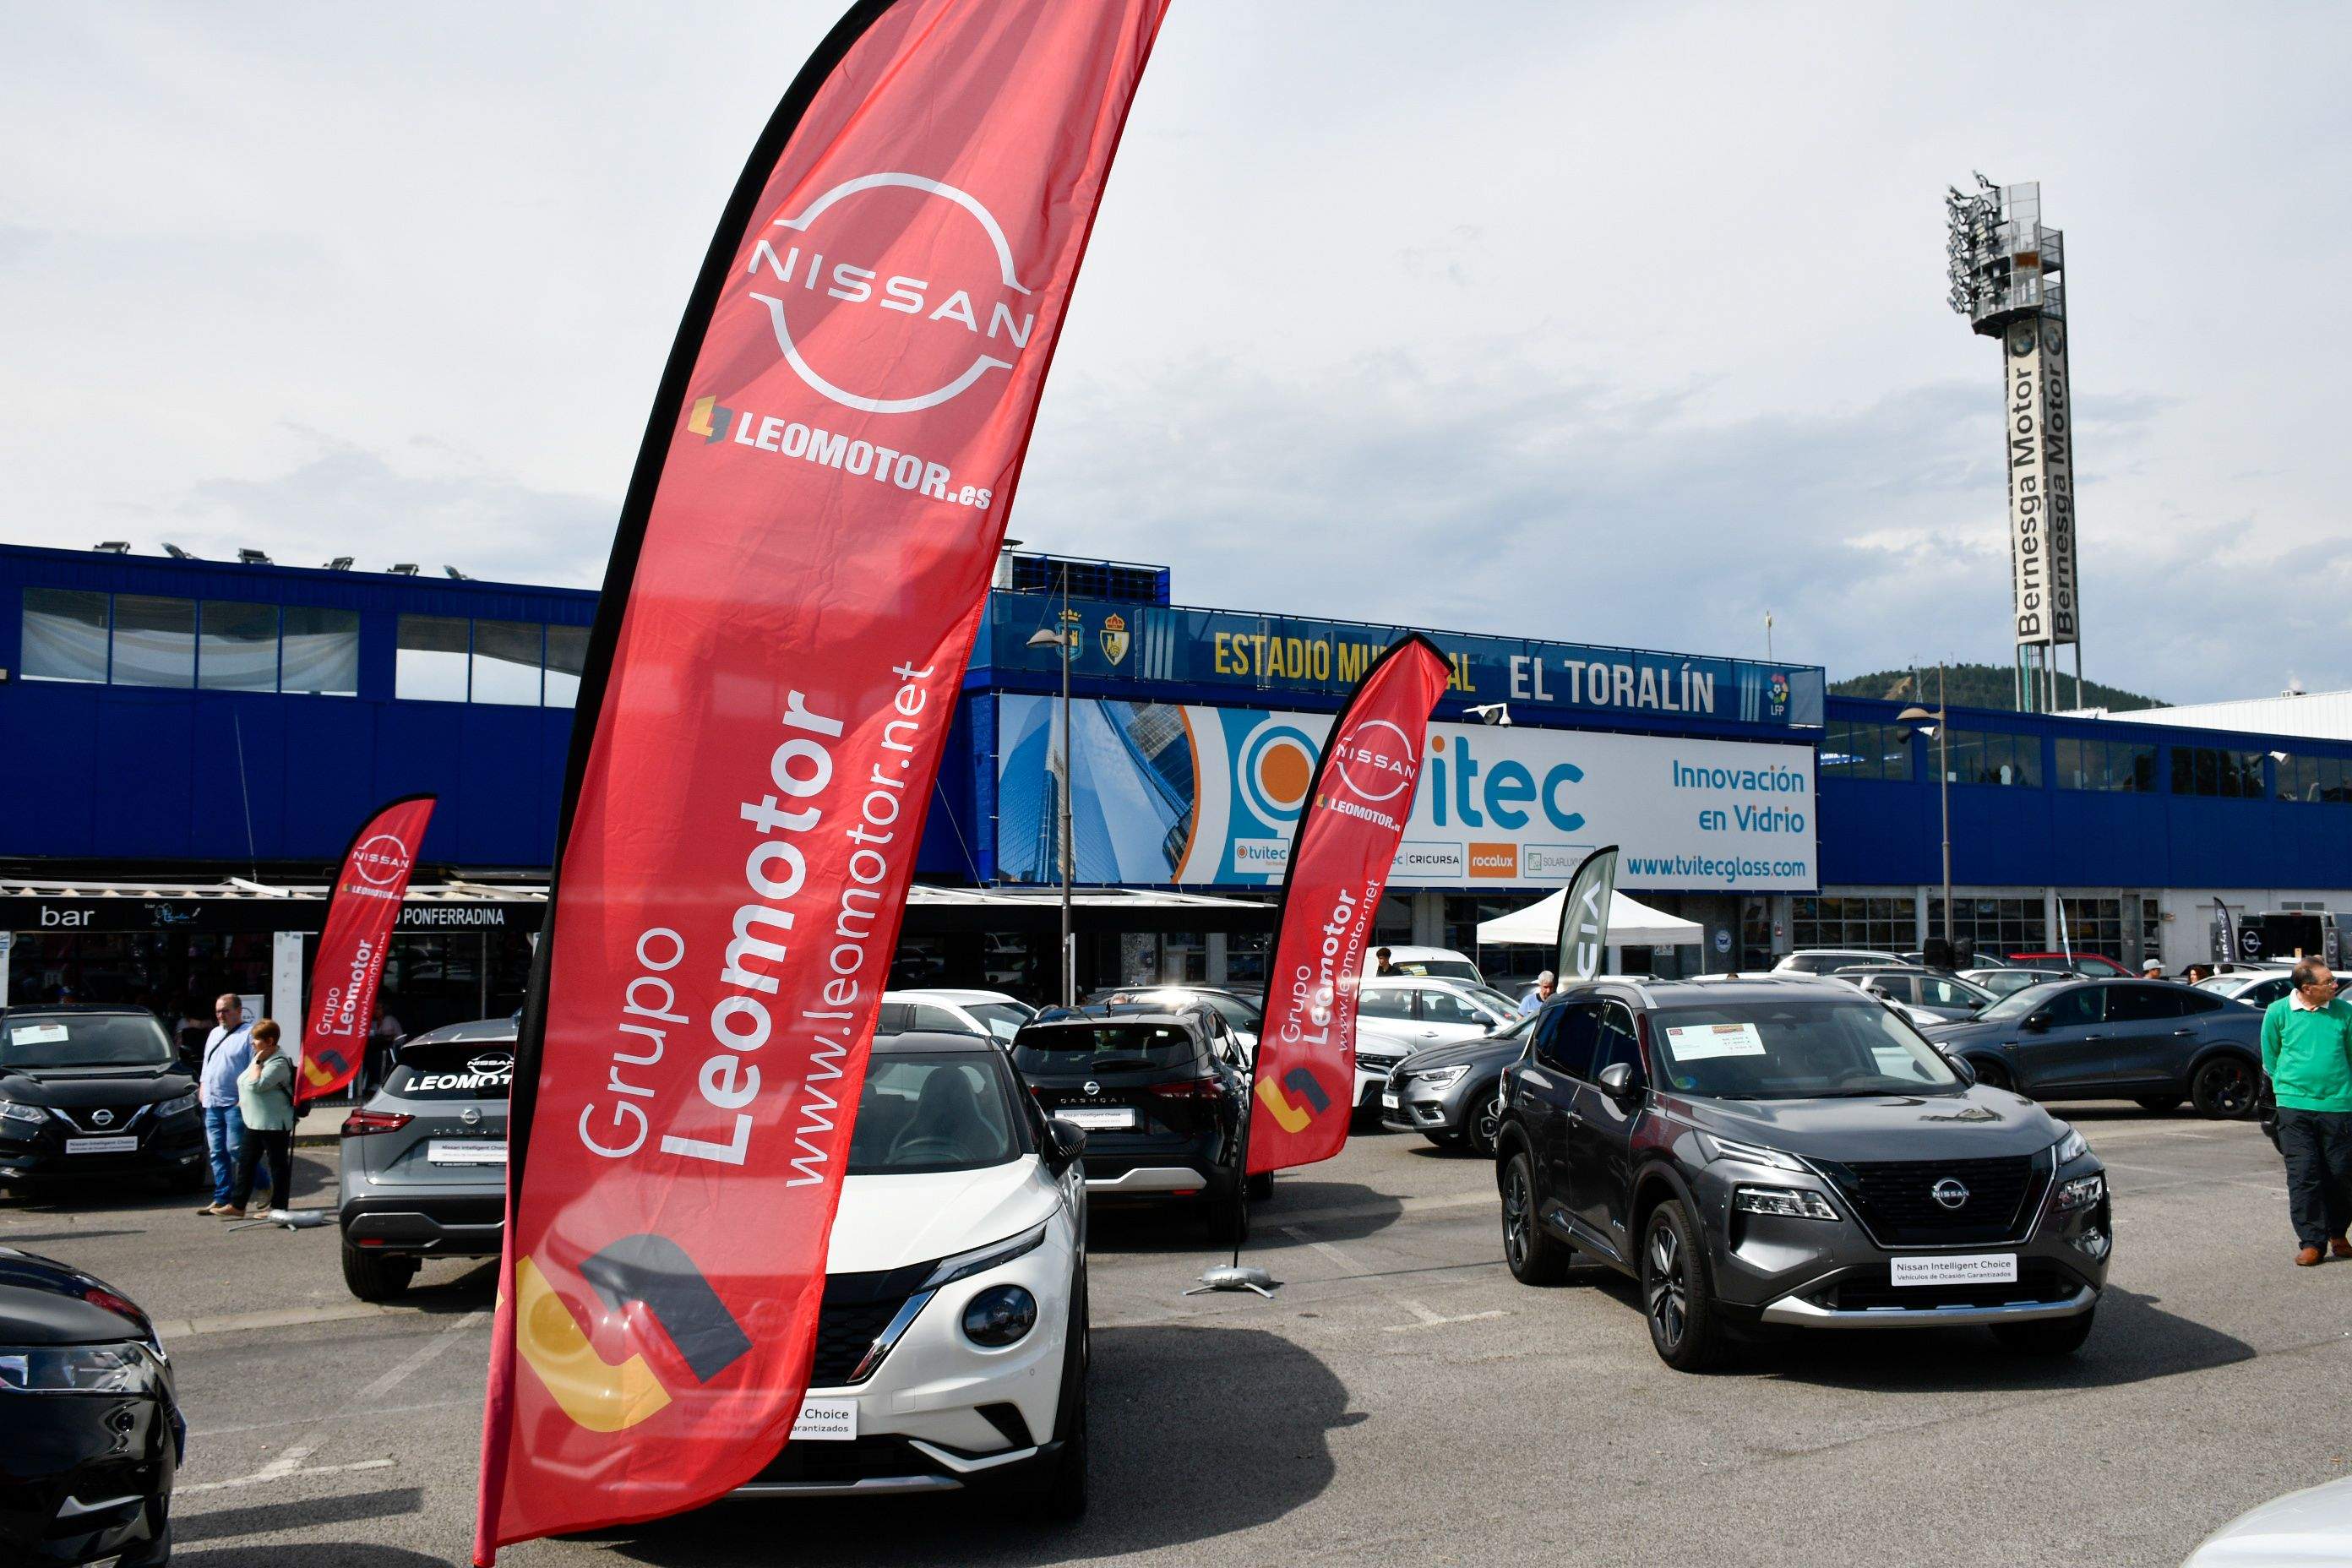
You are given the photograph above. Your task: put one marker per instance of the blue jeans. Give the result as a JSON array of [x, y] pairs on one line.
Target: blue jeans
[[224, 1137]]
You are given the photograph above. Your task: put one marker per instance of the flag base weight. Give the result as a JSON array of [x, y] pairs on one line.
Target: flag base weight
[[1227, 1277], [289, 1219]]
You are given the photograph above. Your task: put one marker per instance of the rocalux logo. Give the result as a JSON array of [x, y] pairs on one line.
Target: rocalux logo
[[382, 860], [1376, 760], [952, 350]]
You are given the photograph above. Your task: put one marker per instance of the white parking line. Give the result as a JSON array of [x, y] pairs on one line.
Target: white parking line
[[1424, 1318]]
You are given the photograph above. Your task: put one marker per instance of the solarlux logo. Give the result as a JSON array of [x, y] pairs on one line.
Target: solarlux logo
[[1376, 760], [967, 316], [382, 860]]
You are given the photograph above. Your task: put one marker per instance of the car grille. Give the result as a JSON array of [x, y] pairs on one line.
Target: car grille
[[1895, 1198], [843, 1464], [83, 1118], [2038, 1280], [857, 1307]]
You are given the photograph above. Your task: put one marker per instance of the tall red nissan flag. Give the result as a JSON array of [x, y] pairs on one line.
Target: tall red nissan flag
[[1339, 861], [371, 880], [800, 568]]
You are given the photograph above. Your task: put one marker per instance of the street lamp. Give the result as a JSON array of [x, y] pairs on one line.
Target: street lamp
[[1917, 720], [1067, 641]]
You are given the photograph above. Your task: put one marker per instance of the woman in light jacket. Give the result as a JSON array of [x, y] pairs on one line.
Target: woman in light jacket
[[265, 1097]]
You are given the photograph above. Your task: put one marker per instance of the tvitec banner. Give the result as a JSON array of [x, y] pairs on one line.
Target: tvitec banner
[[1189, 795]]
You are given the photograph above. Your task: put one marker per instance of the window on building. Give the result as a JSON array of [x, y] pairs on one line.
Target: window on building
[[154, 641], [2101, 764], [507, 658], [2095, 925], [2316, 779], [567, 655], [320, 651], [237, 648], [1992, 757], [1992, 925], [2210, 771], [430, 662], [64, 635], [1851, 750], [1879, 924]]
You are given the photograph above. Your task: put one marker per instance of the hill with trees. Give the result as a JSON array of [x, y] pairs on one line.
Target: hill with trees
[[1979, 686]]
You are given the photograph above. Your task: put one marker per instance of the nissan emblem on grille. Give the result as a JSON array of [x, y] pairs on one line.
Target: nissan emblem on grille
[[102, 1118], [1093, 1087], [1949, 1193]]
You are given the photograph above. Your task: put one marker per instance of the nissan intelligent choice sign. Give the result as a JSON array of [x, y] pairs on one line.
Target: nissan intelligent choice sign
[[795, 583]]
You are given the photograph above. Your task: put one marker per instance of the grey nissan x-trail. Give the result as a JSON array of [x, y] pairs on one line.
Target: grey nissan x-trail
[[1786, 1151], [425, 1160]]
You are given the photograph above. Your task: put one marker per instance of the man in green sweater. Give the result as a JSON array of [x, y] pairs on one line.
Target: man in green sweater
[[2307, 1052]]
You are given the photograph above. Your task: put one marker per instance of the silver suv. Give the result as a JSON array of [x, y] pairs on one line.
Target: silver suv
[[425, 1160]]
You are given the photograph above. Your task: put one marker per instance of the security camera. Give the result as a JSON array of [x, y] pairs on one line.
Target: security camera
[[1499, 713]]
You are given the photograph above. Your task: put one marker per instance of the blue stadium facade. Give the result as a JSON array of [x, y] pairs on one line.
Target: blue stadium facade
[[171, 719]]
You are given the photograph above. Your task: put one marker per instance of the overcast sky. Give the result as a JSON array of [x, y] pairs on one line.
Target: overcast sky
[[1604, 323]]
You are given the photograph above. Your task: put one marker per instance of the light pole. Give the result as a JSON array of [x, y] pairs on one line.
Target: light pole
[[1918, 721], [1063, 639]]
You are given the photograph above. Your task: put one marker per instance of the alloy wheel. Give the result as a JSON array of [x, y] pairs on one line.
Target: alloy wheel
[[2228, 1088], [1516, 1216], [1669, 1303], [1486, 1126]]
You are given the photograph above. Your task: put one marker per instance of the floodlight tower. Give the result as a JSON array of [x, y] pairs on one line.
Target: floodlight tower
[[2006, 279]]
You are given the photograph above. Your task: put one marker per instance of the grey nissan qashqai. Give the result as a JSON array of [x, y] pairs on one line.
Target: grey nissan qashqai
[[425, 1160], [1786, 1151]]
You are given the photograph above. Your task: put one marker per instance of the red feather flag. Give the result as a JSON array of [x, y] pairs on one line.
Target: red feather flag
[[370, 882]]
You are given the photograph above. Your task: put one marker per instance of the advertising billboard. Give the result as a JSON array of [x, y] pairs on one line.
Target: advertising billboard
[[1180, 795], [2040, 456]]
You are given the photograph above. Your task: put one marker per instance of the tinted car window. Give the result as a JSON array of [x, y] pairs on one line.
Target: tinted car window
[[1388, 1001], [2076, 1006], [1439, 968], [1616, 1043], [1938, 990], [1445, 1008], [1564, 1037], [939, 1019], [2138, 1003], [896, 1018], [83, 1040], [1796, 1047], [2264, 992], [482, 1071], [2202, 1002], [1003, 1019], [1102, 1047], [931, 1113]]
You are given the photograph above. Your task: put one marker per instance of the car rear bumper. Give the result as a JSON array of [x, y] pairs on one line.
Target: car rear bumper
[[467, 1223], [1154, 1167]]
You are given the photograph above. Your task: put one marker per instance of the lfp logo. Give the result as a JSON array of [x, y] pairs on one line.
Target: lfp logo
[[892, 343]]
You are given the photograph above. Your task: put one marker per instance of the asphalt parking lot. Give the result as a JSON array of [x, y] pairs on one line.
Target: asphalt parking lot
[[1401, 1398]]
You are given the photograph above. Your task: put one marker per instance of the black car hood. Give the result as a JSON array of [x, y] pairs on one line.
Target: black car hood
[[44, 1302], [1981, 1123], [73, 1088], [1486, 1051]]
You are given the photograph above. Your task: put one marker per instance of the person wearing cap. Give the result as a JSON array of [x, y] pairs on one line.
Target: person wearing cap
[[2152, 970], [2307, 1055], [1535, 996]]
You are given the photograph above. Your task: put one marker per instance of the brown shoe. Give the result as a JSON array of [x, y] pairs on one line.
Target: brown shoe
[[212, 1208], [2339, 1246], [2307, 1258], [228, 1213]]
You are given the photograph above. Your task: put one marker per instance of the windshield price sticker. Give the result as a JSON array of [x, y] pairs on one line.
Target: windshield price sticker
[[826, 1421], [37, 1034], [1698, 1042], [1972, 1269]]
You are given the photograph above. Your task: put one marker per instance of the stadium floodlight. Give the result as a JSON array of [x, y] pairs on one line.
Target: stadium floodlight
[[457, 575], [114, 547], [252, 558], [176, 554], [404, 569], [340, 563]]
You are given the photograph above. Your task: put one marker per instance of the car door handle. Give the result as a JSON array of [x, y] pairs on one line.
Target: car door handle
[[2090, 1036], [2184, 1031]]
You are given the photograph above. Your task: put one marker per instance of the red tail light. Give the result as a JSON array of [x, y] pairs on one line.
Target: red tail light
[[363, 1121], [1209, 1087]]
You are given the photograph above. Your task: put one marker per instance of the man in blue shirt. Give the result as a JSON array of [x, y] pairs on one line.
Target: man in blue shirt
[[229, 1050]]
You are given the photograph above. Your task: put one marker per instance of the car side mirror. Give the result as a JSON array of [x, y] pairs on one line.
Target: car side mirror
[[1617, 1082], [1068, 1141], [1962, 1069], [2036, 1023]]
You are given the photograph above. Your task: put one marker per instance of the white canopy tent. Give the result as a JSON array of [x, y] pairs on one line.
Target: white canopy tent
[[1631, 925]]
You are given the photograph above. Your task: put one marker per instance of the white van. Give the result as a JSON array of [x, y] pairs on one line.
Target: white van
[[1432, 962]]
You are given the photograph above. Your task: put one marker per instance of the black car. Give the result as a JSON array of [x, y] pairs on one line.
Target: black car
[[1448, 1093], [2147, 1040], [1160, 1096], [96, 1091], [424, 1162], [1790, 1152], [90, 1433]]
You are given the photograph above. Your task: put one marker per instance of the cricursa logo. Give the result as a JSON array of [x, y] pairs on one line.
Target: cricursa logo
[[967, 315], [382, 860], [605, 1395]]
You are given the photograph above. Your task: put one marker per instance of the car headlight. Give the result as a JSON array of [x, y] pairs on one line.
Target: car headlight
[[22, 1115], [1795, 1202], [999, 1316], [2071, 1146], [75, 1369], [1716, 1148], [177, 1104], [1438, 1077], [980, 1260], [2082, 1192]]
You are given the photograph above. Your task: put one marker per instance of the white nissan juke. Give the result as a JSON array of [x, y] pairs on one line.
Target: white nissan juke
[[952, 1351]]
